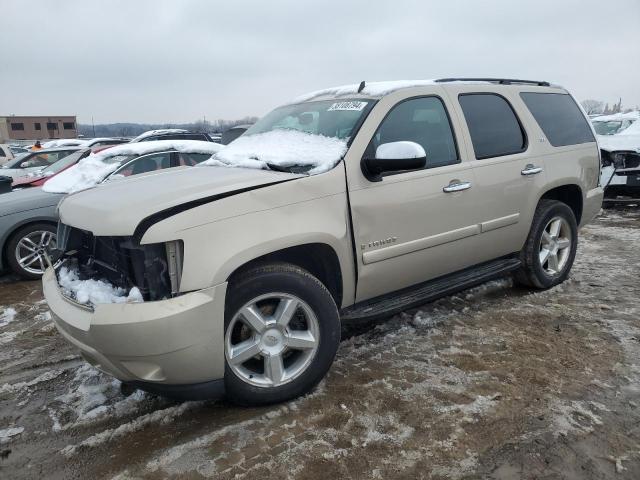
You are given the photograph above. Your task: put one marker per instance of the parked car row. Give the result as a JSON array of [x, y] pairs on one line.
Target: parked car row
[[349, 203]]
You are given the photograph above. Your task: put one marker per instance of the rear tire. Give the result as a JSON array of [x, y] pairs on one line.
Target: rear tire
[[282, 331], [550, 249], [25, 249]]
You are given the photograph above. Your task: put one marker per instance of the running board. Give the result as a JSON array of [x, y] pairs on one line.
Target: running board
[[393, 303]]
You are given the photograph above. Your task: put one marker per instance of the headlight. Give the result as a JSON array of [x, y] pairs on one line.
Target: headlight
[[175, 252]]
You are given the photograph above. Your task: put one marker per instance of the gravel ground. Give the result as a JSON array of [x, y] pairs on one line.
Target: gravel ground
[[496, 382]]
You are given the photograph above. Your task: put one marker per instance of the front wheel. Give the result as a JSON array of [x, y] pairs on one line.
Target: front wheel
[[550, 249], [282, 331]]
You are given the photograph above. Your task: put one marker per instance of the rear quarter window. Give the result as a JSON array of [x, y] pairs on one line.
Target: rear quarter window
[[559, 118]]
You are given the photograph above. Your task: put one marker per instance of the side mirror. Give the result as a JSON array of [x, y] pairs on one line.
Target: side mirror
[[24, 165], [395, 157]]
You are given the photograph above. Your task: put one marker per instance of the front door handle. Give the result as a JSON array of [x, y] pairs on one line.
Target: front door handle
[[531, 170], [456, 186]]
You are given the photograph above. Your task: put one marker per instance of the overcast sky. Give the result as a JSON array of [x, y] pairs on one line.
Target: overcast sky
[[177, 61]]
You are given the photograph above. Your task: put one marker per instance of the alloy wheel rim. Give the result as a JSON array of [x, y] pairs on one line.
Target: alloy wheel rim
[[555, 246], [31, 249], [272, 340]]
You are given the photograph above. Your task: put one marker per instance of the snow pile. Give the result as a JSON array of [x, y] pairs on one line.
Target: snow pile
[[8, 433], [85, 174], [284, 148], [95, 291], [96, 167], [7, 316], [374, 89]]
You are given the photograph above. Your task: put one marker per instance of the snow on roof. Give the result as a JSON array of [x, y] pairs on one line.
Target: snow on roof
[[284, 148], [161, 131], [97, 166], [65, 142], [372, 89]]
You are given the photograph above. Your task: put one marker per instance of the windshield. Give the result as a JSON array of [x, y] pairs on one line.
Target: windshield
[[62, 164], [38, 159], [611, 127], [329, 118]]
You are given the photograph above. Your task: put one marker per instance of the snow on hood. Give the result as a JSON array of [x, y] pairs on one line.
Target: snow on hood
[[374, 89], [284, 148], [96, 167], [627, 139], [616, 117]]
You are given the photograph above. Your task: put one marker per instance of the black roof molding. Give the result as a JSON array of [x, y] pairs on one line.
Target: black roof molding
[[501, 81]]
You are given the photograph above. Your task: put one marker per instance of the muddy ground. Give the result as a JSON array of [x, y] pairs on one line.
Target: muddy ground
[[496, 382]]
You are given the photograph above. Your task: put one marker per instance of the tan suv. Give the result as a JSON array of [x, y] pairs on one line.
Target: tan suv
[[349, 203]]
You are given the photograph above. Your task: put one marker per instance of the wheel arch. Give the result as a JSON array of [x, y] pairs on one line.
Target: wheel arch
[[570, 194], [319, 259]]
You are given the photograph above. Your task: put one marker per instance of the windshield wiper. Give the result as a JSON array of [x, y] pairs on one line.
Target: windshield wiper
[[290, 168]]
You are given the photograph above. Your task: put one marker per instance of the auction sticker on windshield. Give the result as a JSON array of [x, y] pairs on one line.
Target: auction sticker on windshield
[[353, 106]]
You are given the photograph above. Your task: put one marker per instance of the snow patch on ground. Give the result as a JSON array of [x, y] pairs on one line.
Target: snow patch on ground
[[284, 148], [45, 377], [92, 396], [7, 434], [7, 316], [95, 291], [163, 416]]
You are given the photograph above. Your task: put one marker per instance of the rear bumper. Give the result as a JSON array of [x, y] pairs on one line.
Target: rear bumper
[[592, 205], [172, 342]]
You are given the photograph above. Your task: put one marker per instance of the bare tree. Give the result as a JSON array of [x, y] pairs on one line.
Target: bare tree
[[592, 106]]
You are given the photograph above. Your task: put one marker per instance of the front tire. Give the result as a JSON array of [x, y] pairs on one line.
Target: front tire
[[26, 249], [550, 249], [282, 331]]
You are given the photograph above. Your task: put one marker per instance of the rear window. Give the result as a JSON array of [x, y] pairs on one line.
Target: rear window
[[559, 118], [494, 128]]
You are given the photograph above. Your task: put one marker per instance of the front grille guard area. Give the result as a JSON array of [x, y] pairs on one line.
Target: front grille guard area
[[121, 261]]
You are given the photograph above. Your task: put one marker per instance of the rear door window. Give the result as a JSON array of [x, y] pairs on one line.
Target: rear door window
[[493, 125], [559, 118]]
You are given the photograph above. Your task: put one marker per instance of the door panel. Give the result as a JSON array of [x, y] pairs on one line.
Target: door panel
[[406, 229]]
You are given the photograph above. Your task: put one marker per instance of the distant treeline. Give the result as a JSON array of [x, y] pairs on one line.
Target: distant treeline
[[135, 129]]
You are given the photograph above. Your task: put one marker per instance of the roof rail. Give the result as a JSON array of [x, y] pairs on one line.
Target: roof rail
[[501, 81]]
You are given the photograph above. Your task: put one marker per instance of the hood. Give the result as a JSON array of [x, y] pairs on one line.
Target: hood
[[117, 208], [28, 199], [613, 143]]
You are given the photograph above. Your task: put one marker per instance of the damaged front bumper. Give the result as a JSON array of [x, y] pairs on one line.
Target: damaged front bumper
[[173, 343]]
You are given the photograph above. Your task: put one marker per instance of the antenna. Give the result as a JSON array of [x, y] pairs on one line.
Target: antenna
[[361, 87]]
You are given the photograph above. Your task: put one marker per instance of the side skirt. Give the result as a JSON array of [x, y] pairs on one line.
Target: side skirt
[[395, 302]]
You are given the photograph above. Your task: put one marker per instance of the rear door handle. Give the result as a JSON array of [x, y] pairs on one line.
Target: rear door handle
[[531, 170], [457, 187]]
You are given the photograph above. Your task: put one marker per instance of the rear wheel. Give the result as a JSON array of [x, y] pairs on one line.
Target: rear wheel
[[550, 249], [26, 249], [282, 330]]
